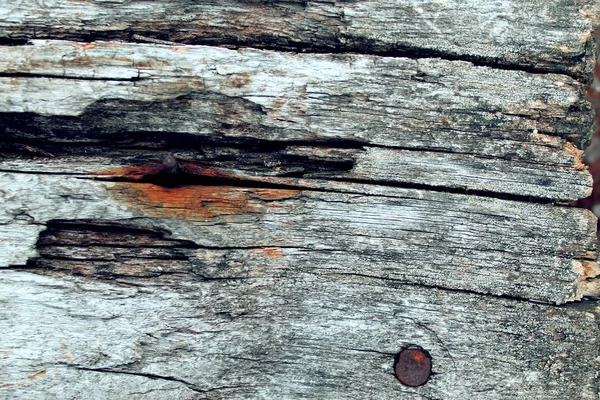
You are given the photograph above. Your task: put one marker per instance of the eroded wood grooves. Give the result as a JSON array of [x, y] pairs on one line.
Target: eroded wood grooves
[[209, 200], [548, 35], [234, 339], [440, 123]]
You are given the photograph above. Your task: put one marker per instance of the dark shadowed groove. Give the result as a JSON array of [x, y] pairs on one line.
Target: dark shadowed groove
[[355, 47]]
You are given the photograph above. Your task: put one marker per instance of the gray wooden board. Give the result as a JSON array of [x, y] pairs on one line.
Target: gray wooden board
[[512, 248], [446, 124], [305, 336], [544, 35], [328, 210]]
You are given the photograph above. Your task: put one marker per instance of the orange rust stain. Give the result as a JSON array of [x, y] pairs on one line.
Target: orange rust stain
[[6, 386], [192, 201], [189, 201], [196, 202], [35, 376], [133, 173], [88, 46], [418, 356], [239, 80], [274, 194], [272, 252], [577, 156]]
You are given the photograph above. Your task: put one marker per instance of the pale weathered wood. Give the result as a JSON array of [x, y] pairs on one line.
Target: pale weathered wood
[[181, 221], [304, 336], [550, 35], [440, 123], [533, 251]]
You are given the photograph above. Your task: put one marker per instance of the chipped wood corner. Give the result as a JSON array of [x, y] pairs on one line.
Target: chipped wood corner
[[589, 283]]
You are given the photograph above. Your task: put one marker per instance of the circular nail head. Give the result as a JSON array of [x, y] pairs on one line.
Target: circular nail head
[[413, 367]]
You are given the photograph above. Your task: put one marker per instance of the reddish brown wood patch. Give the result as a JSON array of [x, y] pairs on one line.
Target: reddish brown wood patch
[[199, 202]]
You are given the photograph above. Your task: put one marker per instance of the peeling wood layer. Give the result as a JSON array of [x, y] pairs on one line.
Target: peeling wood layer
[[362, 118], [537, 35]]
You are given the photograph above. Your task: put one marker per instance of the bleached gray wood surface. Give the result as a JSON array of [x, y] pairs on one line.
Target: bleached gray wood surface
[[542, 35], [428, 122], [327, 210], [305, 336]]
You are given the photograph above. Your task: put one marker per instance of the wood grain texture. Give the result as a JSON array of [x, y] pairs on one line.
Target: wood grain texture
[[508, 248], [186, 217], [541, 35], [445, 124], [304, 336]]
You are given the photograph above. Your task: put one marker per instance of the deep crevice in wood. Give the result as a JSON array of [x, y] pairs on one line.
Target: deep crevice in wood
[[365, 48], [185, 179], [5, 41], [594, 300], [67, 77], [113, 250]]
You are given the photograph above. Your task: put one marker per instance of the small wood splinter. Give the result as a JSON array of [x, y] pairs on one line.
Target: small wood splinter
[[153, 40]]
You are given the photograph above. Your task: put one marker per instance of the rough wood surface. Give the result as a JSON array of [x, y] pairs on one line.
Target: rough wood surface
[[541, 35], [423, 122], [304, 336], [533, 251], [185, 221]]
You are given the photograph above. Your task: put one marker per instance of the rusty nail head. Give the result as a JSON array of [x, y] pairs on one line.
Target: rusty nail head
[[169, 166], [413, 367]]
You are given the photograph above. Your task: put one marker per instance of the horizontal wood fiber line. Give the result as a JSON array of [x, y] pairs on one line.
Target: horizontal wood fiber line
[[446, 122], [532, 251], [293, 338], [527, 34], [316, 168]]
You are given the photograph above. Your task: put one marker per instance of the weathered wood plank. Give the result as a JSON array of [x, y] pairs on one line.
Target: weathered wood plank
[[254, 265], [426, 122], [290, 338], [540, 35], [510, 248]]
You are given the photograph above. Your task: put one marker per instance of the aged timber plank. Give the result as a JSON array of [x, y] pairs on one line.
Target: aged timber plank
[[446, 124], [253, 265], [508, 248], [541, 35], [304, 336]]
